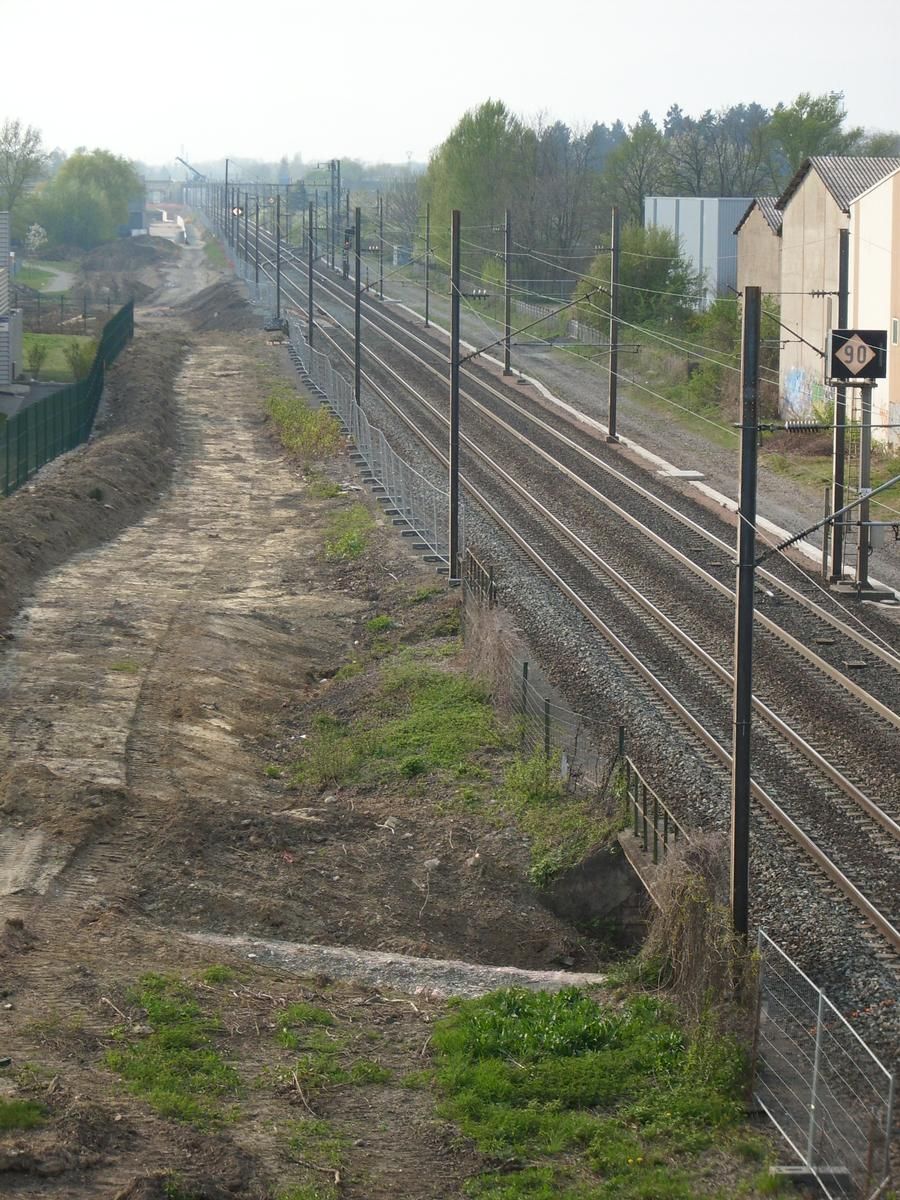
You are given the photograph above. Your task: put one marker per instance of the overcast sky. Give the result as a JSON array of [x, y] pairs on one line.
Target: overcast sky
[[387, 81]]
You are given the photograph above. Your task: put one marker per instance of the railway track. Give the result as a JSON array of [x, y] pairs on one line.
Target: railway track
[[832, 803]]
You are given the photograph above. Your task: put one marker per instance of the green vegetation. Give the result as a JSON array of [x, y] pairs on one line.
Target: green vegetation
[[561, 826], [348, 533], [57, 361], [20, 1114], [582, 1101], [33, 277], [309, 433], [422, 721], [379, 624], [175, 1067], [126, 667], [322, 488], [215, 255], [217, 974], [86, 202]]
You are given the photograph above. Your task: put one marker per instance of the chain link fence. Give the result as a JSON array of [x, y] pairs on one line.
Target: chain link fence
[[59, 422], [825, 1091]]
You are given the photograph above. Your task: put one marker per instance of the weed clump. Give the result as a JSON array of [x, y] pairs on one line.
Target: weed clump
[[613, 1097], [309, 433], [20, 1114], [175, 1067], [348, 533]]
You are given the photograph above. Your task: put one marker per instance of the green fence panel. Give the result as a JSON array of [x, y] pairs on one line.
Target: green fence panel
[[63, 419]]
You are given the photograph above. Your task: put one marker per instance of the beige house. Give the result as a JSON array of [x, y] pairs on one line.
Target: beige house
[[874, 300], [759, 246], [817, 204]]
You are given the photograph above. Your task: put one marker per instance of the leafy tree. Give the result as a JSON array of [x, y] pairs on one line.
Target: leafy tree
[[36, 356], [658, 285], [21, 161], [812, 125], [80, 357], [87, 200], [481, 169], [636, 168]]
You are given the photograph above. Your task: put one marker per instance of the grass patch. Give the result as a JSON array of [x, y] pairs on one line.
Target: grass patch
[[53, 352], [215, 255], [379, 624], [421, 721], [322, 488], [20, 1114], [125, 667], [561, 826], [175, 1067], [348, 533], [217, 974], [310, 434], [583, 1100]]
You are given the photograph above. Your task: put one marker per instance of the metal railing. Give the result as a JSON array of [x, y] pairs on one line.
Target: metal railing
[[59, 422], [825, 1091], [651, 820], [411, 499]]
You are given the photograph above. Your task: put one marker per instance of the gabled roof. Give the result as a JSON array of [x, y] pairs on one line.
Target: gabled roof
[[766, 205], [845, 177]]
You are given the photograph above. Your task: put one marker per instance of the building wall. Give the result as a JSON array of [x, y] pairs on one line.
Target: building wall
[[704, 226], [759, 255], [875, 290], [810, 252]]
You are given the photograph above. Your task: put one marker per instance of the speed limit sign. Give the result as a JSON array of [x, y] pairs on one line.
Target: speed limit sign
[[858, 354]]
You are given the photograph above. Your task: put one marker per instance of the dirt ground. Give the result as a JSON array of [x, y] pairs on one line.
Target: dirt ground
[[170, 624]]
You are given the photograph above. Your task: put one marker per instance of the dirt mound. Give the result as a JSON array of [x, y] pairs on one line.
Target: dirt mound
[[220, 307], [129, 254], [101, 487]]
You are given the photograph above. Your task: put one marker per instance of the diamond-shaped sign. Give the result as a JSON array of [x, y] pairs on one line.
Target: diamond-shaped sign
[[855, 354], [858, 353]]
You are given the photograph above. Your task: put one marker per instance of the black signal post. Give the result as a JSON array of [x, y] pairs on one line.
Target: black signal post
[[743, 625]]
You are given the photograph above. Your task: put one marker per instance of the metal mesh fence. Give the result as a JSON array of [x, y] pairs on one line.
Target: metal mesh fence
[[62, 420], [412, 500], [829, 1096]]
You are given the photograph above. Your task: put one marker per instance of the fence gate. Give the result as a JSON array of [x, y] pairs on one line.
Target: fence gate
[[829, 1096]]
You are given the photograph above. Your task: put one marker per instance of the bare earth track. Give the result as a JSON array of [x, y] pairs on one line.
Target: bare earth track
[[176, 598]]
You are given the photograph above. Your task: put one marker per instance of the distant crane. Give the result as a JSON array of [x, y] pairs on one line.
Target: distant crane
[[198, 177]]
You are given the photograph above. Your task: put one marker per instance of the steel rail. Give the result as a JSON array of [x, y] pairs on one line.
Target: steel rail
[[847, 887], [857, 691], [778, 724], [885, 655]]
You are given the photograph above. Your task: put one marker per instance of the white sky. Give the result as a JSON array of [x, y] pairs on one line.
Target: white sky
[[387, 80]]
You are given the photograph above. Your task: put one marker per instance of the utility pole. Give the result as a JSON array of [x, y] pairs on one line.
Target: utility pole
[[743, 623], [453, 552], [612, 436], [224, 227], [309, 278], [357, 305], [427, 256], [507, 296], [246, 232], [865, 486], [838, 496], [336, 211], [278, 257], [329, 232], [256, 246], [380, 246]]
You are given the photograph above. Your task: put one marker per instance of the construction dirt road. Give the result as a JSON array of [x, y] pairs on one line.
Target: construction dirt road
[[170, 623]]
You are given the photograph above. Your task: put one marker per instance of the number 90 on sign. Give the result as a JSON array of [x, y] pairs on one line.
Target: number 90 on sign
[[858, 353]]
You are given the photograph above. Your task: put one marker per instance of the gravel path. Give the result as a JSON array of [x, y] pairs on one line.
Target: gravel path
[[432, 977]]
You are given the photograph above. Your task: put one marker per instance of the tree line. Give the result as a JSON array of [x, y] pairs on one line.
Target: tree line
[[76, 200]]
